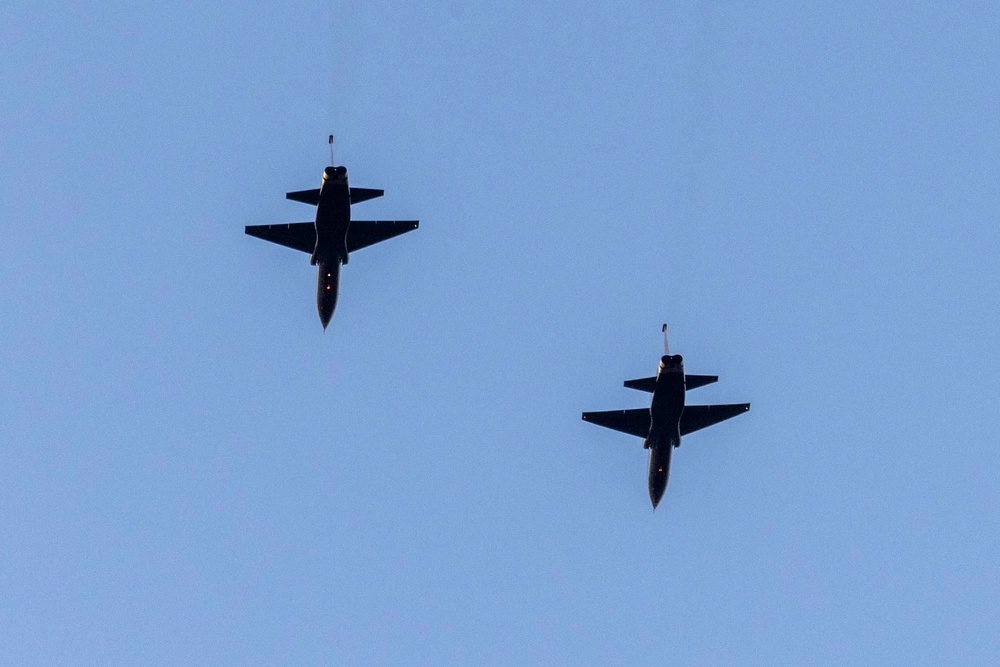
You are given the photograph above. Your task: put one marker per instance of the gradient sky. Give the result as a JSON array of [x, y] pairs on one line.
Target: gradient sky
[[192, 472]]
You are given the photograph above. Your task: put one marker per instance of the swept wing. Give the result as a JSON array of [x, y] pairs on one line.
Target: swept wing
[[361, 233], [636, 422]]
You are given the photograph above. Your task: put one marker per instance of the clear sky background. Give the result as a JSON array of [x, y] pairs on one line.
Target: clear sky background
[[193, 472]]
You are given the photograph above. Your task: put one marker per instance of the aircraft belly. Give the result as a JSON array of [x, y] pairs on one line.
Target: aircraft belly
[[667, 406], [331, 241], [333, 218]]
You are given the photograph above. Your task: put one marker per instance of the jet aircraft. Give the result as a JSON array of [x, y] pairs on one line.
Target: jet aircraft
[[332, 236], [667, 418]]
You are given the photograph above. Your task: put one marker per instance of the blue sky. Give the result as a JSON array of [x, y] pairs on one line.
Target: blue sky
[[192, 472]]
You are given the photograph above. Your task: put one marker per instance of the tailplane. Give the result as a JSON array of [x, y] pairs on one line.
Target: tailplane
[[690, 382], [311, 197]]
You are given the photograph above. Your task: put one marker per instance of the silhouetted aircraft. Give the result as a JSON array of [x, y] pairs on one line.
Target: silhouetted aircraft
[[667, 418], [333, 235]]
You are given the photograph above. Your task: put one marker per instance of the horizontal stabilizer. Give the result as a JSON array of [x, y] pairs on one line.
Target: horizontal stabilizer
[[312, 196], [359, 195], [642, 384], [697, 417], [690, 382], [633, 422], [304, 196], [695, 381]]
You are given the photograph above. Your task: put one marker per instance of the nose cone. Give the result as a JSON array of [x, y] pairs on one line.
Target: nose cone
[[656, 492], [325, 305], [659, 470]]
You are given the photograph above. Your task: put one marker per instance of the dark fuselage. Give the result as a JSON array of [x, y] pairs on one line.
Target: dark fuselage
[[664, 423], [333, 219]]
